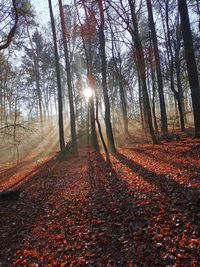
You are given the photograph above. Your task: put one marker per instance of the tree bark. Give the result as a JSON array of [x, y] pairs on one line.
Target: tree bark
[[60, 105], [164, 126], [109, 133], [94, 141], [122, 95], [141, 71], [69, 81], [171, 66], [91, 82], [153, 91], [100, 131], [13, 29], [119, 76], [191, 63], [178, 78], [37, 74]]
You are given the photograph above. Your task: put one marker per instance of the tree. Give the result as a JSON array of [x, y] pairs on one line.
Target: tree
[[117, 65], [137, 49], [60, 105], [141, 70], [191, 63], [177, 48], [69, 81], [14, 27], [39, 74], [35, 53], [171, 60], [88, 35], [12, 18], [109, 132], [164, 126]]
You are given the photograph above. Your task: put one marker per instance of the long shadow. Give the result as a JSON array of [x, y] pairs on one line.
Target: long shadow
[[185, 199], [7, 174], [192, 152], [17, 217], [121, 223], [185, 166], [122, 220], [12, 170]]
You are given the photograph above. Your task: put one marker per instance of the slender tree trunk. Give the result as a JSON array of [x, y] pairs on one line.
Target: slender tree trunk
[[91, 81], [3, 94], [122, 95], [178, 76], [14, 27], [69, 81], [37, 74], [176, 108], [2, 107], [198, 11], [153, 90], [119, 76], [191, 63], [100, 131], [109, 133], [94, 141], [87, 44], [60, 105], [88, 125], [164, 126], [180, 93], [141, 105], [172, 64], [141, 71]]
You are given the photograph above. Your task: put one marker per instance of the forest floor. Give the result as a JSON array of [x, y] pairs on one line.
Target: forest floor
[[141, 210]]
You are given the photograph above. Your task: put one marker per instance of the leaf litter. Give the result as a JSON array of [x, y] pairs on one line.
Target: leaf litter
[[143, 209]]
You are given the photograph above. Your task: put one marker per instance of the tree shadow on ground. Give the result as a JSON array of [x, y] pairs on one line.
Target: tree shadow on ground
[[33, 225], [122, 238], [5, 173], [93, 217], [162, 158], [186, 199]]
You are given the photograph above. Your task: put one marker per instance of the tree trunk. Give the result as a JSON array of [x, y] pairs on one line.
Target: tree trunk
[[191, 63], [60, 106], [198, 11], [180, 93], [87, 45], [122, 96], [109, 133], [14, 27], [153, 91], [141, 106], [37, 74], [172, 64], [119, 77], [69, 81], [178, 76], [141, 71], [94, 141], [164, 126], [99, 129]]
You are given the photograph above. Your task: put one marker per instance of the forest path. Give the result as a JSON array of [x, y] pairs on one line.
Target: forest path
[[142, 210]]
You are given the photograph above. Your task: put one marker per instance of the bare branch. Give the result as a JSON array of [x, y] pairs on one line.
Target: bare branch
[[13, 29]]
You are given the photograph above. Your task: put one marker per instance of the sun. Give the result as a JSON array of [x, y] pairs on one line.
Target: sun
[[87, 92]]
